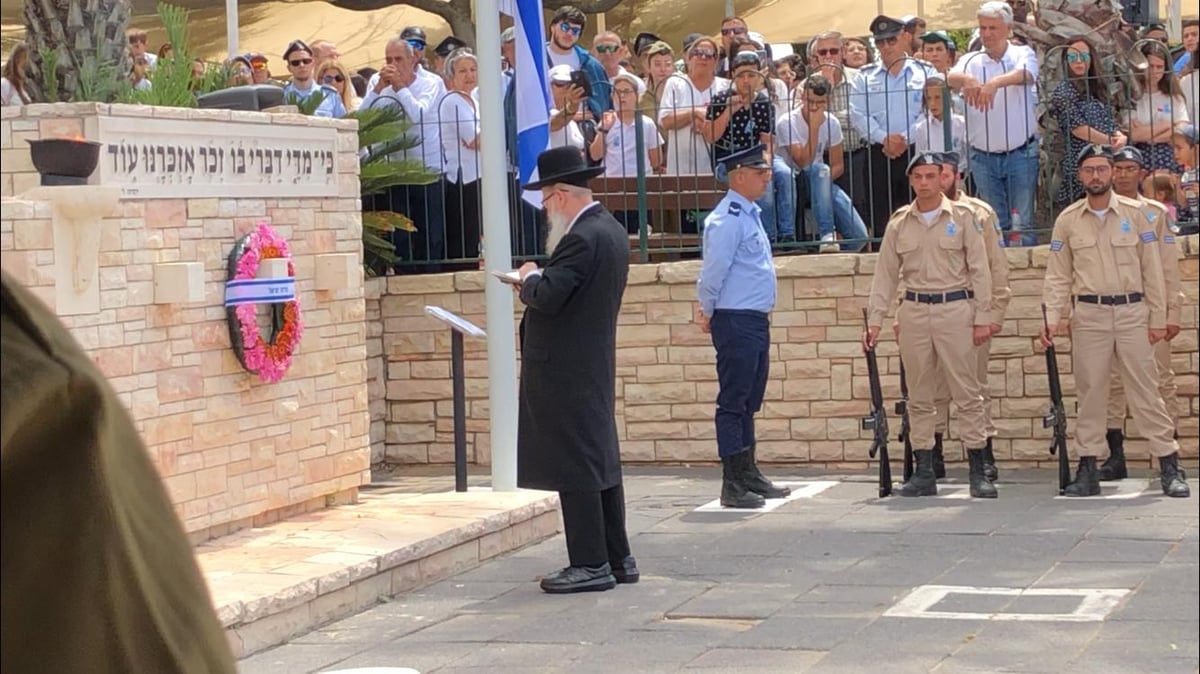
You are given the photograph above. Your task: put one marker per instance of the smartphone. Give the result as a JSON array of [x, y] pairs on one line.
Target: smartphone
[[580, 79]]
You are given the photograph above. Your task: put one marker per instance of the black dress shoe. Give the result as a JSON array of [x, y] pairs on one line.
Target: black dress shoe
[[625, 571], [580, 579]]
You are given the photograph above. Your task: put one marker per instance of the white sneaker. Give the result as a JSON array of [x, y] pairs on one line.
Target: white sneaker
[[829, 244]]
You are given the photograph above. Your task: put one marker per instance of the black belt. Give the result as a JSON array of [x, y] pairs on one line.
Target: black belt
[[1110, 300], [997, 154], [938, 298]]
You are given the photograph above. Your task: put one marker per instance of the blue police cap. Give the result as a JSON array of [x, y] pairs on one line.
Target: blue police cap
[[1094, 151], [1130, 153], [925, 159], [885, 27], [751, 157]]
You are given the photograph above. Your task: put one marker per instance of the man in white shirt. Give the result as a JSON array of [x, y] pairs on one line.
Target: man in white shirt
[[403, 83], [999, 84]]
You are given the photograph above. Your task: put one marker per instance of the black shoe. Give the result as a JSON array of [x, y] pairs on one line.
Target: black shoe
[[981, 487], [923, 482], [989, 463], [1087, 479], [1174, 481], [735, 493], [758, 483], [580, 579], [939, 461], [1114, 466], [625, 570]]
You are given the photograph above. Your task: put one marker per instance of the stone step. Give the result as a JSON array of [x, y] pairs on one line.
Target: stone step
[[273, 583]]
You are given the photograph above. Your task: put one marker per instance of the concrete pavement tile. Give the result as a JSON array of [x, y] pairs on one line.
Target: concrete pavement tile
[[1116, 550], [1180, 606], [1141, 527], [470, 627], [758, 660], [384, 622], [297, 658], [1098, 574], [1026, 646], [1185, 552], [468, 589], [423, 657], [708, 633], [515, 656], [737, 600], [667, 650], [1171, 580], [1128, 662], [822, 545], [1155, 639], [664, 544], [810, 634], [958, 602], [1058, 518]]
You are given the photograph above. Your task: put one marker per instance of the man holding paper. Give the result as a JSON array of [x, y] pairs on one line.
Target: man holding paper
[[566, 426]]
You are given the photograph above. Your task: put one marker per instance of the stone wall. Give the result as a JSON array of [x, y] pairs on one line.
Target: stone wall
[[233, 451], [667, 385]]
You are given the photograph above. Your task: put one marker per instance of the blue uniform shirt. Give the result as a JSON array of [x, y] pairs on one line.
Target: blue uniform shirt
[[882, 104], [331, 105], [738, 271]]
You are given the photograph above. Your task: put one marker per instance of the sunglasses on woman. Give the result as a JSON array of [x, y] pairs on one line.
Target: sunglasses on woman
[[1079, 57], [330, 79], [703, 53]]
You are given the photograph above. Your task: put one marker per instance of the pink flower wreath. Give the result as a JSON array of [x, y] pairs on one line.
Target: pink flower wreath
[[271, 357]]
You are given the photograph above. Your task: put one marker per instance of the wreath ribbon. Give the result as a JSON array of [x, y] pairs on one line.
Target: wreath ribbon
[[269, 357]]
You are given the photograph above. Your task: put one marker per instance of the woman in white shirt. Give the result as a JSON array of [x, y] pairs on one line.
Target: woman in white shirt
[[459, 119], [12, 86], [1156, 114], [1189, 83], [684, 108]]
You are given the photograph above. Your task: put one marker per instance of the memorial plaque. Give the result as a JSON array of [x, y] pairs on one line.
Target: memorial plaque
[[152, 158]]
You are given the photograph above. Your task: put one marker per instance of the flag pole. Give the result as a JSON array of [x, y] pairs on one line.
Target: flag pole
[[501, 343]]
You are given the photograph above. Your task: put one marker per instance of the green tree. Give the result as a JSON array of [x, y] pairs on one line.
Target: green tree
[[84, 43]]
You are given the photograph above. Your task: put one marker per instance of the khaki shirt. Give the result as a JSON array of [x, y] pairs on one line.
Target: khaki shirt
[[997, 260], [1118, 256], [1156, 214], [942, 256]]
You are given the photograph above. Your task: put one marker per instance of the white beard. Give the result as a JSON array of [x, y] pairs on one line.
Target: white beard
[[558, 223]]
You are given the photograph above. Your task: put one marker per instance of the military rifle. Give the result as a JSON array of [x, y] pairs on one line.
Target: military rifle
[[1056, 417], [905, 434], [877, 421]]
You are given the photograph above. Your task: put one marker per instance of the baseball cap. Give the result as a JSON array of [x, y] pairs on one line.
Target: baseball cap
[[560, 73]]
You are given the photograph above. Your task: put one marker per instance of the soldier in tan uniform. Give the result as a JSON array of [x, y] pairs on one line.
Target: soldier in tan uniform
[[1105, 255], [937, 254], [1128, 172]]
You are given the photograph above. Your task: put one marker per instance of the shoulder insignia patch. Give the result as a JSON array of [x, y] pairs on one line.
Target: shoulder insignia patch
[[1126, 227], [1169, 239], [951, 229], [1056, 245], [735, 208], [1149, 237], [1151, 216], [978, 227], [996, 226]]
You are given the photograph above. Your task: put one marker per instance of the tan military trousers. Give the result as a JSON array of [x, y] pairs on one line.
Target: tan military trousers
[[983, 353], [1108, 338], [1166, 387], [936, 344]]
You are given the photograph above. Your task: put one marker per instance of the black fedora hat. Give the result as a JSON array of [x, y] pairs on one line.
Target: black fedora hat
[[563, 165]]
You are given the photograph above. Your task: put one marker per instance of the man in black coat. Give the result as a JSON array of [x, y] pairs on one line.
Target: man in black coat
[[566, 428]]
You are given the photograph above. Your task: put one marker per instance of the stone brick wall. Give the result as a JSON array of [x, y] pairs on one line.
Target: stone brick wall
[[232, 450], [667, 385]]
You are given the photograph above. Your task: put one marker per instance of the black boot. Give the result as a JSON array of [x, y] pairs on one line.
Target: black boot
[[981, 487], [1174, 481], [1087, 479], [1114, 466], [923, 482], [734, 491], [939, 461], [989, 463], [758, 483]]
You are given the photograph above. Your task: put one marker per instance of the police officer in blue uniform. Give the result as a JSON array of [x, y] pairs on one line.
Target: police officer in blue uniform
[[302, 65], [885, 100], [736, 289]]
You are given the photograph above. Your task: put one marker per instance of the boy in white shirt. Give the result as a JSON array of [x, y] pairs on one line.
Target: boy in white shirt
[[805, 136], [616, 139], [928, 133]]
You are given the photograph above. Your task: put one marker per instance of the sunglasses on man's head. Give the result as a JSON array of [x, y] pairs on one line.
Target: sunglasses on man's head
[[607, 48], [568, 27], [299, 62], [330, 79]]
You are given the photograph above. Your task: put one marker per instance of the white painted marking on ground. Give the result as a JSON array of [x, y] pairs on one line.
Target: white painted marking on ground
[[1094, 604], [800, 489], [1120, 490]]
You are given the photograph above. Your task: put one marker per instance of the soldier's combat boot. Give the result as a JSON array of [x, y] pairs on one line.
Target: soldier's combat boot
[[923, 481], [758, 483], [1174, 481], [734, 492], [981, 487], [989, 463], [1113, 467], [939, 461], [1087, 479]]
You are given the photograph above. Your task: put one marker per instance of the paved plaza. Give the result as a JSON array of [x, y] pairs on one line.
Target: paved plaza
[[835, 580]]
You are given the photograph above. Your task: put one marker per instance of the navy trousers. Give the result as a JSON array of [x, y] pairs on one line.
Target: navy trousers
[[742, 340]]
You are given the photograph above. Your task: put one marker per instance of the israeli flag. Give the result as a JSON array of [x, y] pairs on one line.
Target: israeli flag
[[532, 94]]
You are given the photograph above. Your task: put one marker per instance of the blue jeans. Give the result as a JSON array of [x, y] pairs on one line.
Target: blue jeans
[[778, 204], [1007, 182], [832, 208]]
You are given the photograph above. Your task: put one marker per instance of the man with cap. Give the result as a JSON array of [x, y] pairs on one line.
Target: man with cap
[[299, 57], [938, 50], [260, 69], [1001, 295], [913, 26], [936, 252], [1105, 258], [566, 27], [443, 50], [566, 424], [1128, 171], [885, 101], [736, 290], [403, 83]]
